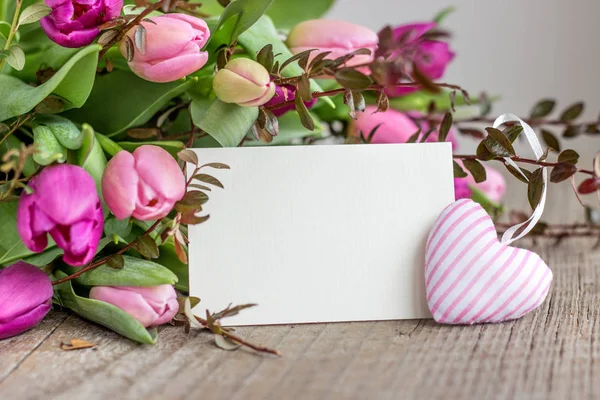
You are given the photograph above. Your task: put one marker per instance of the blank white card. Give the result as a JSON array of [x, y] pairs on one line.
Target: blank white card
[[319, 233]]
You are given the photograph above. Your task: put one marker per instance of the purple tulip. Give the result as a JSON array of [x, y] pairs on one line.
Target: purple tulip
[[150, 306], [430, 56], [65, 204], [75, 23], [461, 189], [283, 94], [25, 298]]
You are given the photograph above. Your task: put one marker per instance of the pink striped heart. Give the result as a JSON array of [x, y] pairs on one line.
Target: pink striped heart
[[471, 277]]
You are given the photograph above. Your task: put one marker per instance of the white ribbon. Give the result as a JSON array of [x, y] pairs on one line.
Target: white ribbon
[[534, 143]]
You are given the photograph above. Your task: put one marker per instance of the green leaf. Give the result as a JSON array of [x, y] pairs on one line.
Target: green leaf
[[445, 127], [226, 123], [168, 258], [33, 13], [11, 246], [550, 140], [420, 101], [535, 188], [517, 174], [91, 157], [102, 313], [568, 156], [542, 109], [572, 112], [562, 172], [263, 32], [304, 115], [287, 13], [352, 79], [48, 147], [146, 246], [491, 207], [16, 58], [238, 16], [108, 145], [45, 257], [121, 100], [135, 272], [498, 144], [476, 169], [458, 171], [172, 146], [119, 227], [64, 130], [72, 83]]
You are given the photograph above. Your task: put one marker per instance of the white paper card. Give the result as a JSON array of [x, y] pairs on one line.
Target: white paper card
[[319, 233]]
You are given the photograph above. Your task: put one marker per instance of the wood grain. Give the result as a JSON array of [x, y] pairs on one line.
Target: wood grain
[[552, 353]]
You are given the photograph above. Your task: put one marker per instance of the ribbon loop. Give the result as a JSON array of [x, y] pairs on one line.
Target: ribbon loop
[[509, 236]]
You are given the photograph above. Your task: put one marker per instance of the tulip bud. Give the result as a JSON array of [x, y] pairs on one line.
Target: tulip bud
[[64, 203], [75, 23], [25, 298], [338, 37], [150, 306], [145, 184], [245, 82], [172, 48]]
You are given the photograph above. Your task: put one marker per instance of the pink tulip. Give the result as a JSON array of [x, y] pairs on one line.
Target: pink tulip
[[493, 187], [150, 306], [430, 56], [394, 126], [338, 37], [25, 298], [65, 204], [145, 184], [173, 48], [75, 23]]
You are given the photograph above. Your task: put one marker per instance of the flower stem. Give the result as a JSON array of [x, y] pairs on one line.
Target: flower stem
[[13, 29], [105, 259]]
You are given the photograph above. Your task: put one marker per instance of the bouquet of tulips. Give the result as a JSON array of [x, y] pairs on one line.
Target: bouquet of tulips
[[100, 99]]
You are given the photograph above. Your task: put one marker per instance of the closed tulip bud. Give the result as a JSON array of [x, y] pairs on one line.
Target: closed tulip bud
[[338, 37], [145, 184], [150, 306], [245, 82], [25, 298], [393, 126], [63, 203], [172, 49], [75, 23]]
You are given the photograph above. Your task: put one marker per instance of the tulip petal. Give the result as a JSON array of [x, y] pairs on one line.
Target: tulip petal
[[128, 300], [158, 170], [394, 126], [202, 31], [416, 30], [266, 96], [24, 322], [119, 184], [23, 287], [73, 39], [170, 69], [322, 34], [69, 193]]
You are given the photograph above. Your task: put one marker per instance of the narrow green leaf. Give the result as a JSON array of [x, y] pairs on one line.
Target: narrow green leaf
[[572, 112], [33, 13], [16, 58], [445, 127], [304, 115], [542, 108], [352, 79], [458, 171], [568, 156], [498, 144], [550, 140]]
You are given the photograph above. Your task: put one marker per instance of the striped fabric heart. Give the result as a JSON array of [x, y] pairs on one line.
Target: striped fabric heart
[[471, 277]]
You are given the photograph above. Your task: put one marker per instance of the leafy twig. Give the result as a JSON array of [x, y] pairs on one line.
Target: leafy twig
[[522, 160], [13, 29]]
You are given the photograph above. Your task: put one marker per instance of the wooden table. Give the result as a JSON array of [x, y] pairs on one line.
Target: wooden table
[[553, 352]]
